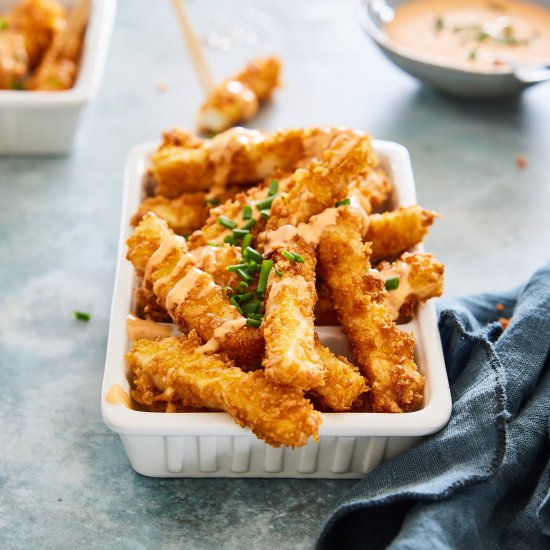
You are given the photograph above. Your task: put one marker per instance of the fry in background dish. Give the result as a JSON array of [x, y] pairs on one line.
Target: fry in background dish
[[384, 354], [174, 369], [238, 98]]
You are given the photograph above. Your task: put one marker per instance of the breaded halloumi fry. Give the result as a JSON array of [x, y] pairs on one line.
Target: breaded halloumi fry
[[237, 156], [324, 181], [384, 354], [420, 278], [394, 232], [277, 414], [290, 354], [343, 381], [238, 98], [190, 295], [372, 190]]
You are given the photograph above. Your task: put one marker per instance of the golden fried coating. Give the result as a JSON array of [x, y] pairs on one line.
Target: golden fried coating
[[238, 98], [290, 354], [324, 181], [40, 21], [190, 295], [372, 190], [394, 232], [384, 354], [14, 62], [184, 214], [324, 309], [420, 278], [343, 383], [277, 414]]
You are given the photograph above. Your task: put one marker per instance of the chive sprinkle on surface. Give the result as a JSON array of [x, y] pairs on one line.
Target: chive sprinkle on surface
[[266, 203], [82, 316], [247, 212], [273, 187], [212, 202], [224, 221], [264, 274], [250, 223], [343, 202], [392, 283], [253, 322], [292, 256]]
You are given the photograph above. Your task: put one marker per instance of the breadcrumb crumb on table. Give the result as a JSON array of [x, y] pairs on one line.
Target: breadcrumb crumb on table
[[521, 161]]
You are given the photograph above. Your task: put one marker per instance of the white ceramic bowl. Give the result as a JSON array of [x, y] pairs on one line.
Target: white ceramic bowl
[[45, 123], [212, 444], [373, 14]]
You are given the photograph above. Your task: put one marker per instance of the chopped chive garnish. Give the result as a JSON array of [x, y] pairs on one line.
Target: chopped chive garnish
[[253, 322], [264, 274], [233, 302], [264, 214], [241, 287], [82, 316], [243, 298], [235, 267], [230, 240], [288, 255], [3, 24], [212, 202], [250, 224], [392, 283], [273, 187], [244, 275], [253, 254], [247, 212], [253, 267], [246, 241], [278, 271], [186, 236], [212, 243], [257, 316], [298, 258], [472, 54], [266, 203], [240, 233], [343, 202], [228, 290], [439, 24], [249, 308], [226, 222]]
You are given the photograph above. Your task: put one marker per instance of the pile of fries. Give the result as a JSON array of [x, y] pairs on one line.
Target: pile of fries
[[248, 240], [40, 45]]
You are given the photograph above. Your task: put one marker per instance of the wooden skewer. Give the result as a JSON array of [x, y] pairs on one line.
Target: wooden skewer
[[195, 49]]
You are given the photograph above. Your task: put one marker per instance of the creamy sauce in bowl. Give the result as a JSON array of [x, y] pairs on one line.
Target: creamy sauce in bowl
[[472, 35]]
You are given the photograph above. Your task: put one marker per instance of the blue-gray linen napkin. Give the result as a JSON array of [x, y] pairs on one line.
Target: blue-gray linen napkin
[[483, 481]]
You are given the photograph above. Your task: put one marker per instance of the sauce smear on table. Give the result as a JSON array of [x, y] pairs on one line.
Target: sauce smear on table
[[472, 35]]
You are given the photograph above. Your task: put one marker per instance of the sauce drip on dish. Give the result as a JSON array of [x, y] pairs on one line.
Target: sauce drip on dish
[[472, 35]]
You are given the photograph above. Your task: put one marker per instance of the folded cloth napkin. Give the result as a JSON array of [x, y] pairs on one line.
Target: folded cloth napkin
[[484, 480]]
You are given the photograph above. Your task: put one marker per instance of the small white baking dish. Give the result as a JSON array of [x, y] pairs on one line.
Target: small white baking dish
[[212, 444], [46, 123]]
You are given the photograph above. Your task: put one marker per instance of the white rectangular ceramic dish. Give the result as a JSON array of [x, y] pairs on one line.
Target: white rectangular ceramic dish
[[212, 444], [45, 123]]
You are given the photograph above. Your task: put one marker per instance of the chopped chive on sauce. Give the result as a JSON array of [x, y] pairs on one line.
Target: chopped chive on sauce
[[253, 254], [292, 256], [392, 283], [229, 239], [264, 274], [224, 221], [439, 24], [273, 187], [243, 274], [240, 233], [241, 287], [247, 212], [211, 202], [233, 302], [278, 271], [343, 202], [236, 267], [217, 245], [264, 214], [472, 54], [253, 322], [247, 239], [228, 290], [82, 316]]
